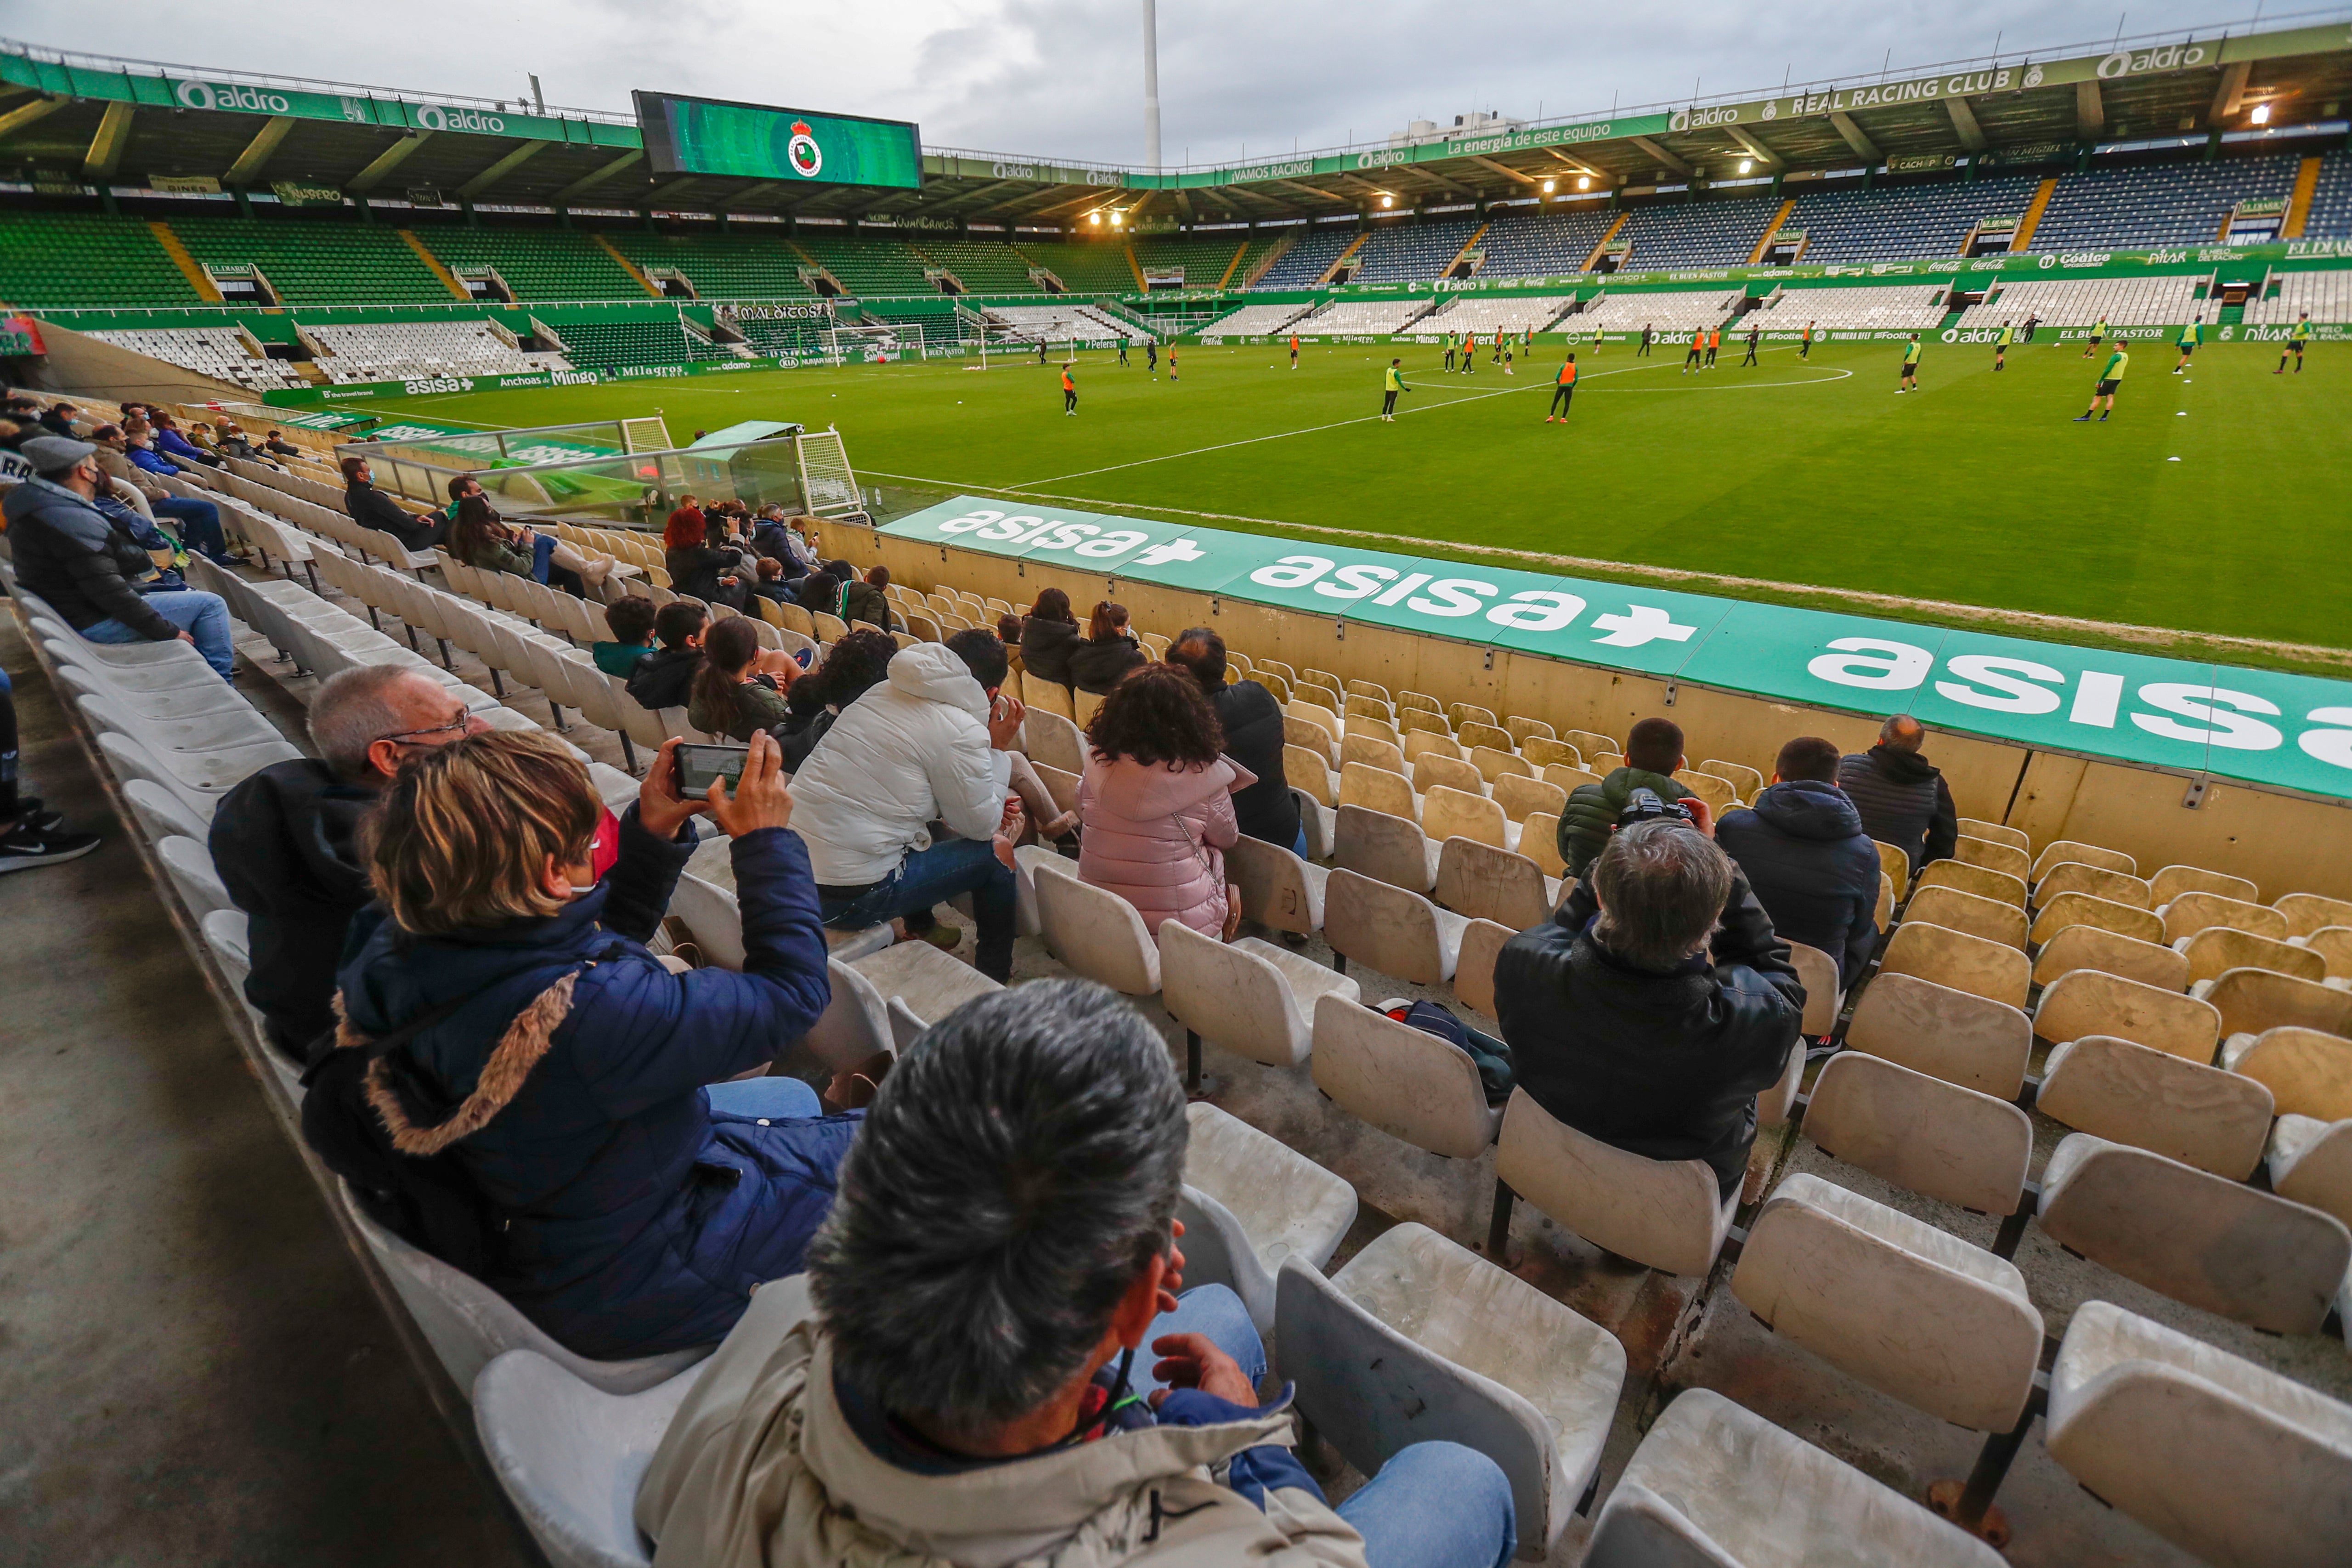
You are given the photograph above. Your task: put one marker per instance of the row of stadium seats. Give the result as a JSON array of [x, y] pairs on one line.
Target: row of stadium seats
[[1486, 316], [402, 350], [613, 345], [1908, 307], [1857, 225], [1305, 263], [2084, 301], [1251, 320], [1374, 317], [2174, 204], [1060, 323], [1695, 234], [218, 352], [2326, 295], [1543, 244], [1669, 311], [1400, 253], [315, 260]]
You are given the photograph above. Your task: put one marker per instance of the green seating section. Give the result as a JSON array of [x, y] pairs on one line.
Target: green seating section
[[985, 267], [791, 337], [867, 266], [730, 266], [317, 262], [87, 258], [1085, 266], [615, 345], [538, 263]]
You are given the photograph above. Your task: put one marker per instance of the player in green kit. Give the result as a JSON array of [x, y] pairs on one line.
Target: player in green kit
[[1449, 354], [2000, 347], [1910, 367], [1392, 382], [2191, 336], [2098, 335], [2297, 335], [2111, 376]]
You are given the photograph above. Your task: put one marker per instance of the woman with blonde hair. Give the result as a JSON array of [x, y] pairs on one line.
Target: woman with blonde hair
[[637, 1197]]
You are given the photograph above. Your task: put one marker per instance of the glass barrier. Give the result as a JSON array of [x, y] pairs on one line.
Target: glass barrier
[[620, 490]]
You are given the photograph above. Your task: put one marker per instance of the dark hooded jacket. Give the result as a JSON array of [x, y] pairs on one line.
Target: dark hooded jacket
[[1813, 869], [70, 554], [286, 842], [1663, 1064], [635, 1219], [1097, 666], [1045, 648], [1903, 802], [1252, 726], [1592, 810], [665, 678]]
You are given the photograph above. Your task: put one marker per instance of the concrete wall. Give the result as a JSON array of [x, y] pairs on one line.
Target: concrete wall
[[81, 363]]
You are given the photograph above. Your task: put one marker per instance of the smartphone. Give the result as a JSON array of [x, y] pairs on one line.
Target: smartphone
[[699, 765]]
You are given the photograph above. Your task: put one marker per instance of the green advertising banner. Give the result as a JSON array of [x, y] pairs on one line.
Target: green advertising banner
[[2261, 727]]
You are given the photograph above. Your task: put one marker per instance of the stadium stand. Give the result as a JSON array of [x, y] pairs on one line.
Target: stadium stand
[[1520, 312], [316, 262], [611, 345], [2169, 204], [2327, 295], [211, 350], [1306, 262], [1910, 307], [1205, 258], [1669, 311], [1085, 266], [867, 266], [1695, 233], [983, 267], [87, 258], [1905, 221], [402, 350], [1542, 245], [1401, 253], [1352, 317], [1059, 324], [1251, 320], [2330, 216], [537, 264], [719, 266], [2081, 301]]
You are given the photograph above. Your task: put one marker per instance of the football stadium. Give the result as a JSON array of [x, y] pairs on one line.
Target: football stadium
[[1659, 871]]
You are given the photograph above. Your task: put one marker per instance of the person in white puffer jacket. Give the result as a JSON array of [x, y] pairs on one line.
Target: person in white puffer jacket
[[925, 751]]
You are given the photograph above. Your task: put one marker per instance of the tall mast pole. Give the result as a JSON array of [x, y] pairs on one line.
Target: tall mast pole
[[1150, 86]]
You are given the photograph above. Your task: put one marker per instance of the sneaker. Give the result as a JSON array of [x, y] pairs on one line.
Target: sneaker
[[34, 813], [943, 936], [2083, 418], [2102, 419], [25, 847]]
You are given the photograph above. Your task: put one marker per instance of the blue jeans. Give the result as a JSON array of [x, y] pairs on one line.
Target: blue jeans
[[773, 1098], [200, 524], [203, 616], [1299, 848], [1433, 1505], [949, 867]]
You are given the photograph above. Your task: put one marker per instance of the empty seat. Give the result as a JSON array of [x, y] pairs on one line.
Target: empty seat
[[1993, 833], [2196, 1238], [1991, 919], [2190, 913], [1521, 796], [1983, 880], [1389, 929], [1433, 770], [1494, 738], [1099, 934], [1256, 998], [1255, 1203], [1377, 789], [1457, 813], [1541, 753], [1895, 863], [570, 1455], [1473, 970], [2333, 945], [1405, 1081], [1824, 999], [1487, 883], [2058, 851], [193, 878], [2074, 876], [2310, 1162], [1385, 846], [2089, 947], [2307, 1071], [1539, 842], [1920, 1133], [2253, 1001], [2185, 1110], [1051, 739], [1957, 1035], [1426, 735], [1989, 969], [1278, 889], [2003, 857], [1745, 781], [2226, 1459], [1308, 769], [2104, 914], [2308, 912], [1717, 793], [1667, 1214], [930, 983], [2093, 1002], [2219, 948], [2173, 881], [1417, 1339]]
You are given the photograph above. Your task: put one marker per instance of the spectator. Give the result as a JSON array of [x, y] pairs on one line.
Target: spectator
[[198, 520], [58, 419], [854, 665], [234, 443], [773, 539], [664, 679], [1252, 721], [1655, 1007], [72, 554], [638, 1208], [819, 593], [139, 447], [1008, 632], [707, 568], [1903, 801], [13, 435], [926, 745], [1653, 753], [1803, 851], [370, 508], [1108, 652], [736, 691], [632, 621], [172, 445], [956, 1377], [488, 542], [287, 840], [31, 835], [275, 442], [686, 526], [862, 599], [1157, 801]]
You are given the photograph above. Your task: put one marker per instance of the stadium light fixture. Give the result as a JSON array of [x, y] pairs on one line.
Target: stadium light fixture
[[1746, 164], [1116, 218], [1388, 201], [1551, 185], [2261, 114], [1095, 218], [1583, 182]]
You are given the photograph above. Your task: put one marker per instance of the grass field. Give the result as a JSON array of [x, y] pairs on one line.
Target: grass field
[[1977, 489]]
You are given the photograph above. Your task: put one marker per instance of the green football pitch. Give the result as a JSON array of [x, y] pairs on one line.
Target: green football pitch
[[2213, 502]]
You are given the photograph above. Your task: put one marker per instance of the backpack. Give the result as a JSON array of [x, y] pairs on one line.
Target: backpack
[[1491, 1056]]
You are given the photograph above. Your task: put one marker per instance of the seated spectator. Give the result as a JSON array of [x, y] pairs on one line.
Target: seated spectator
[[139, 447], [1008, 632], [632, 620], [276, 441], [174, 445], [854, 665], [31, 835], [1804, 853], [1903, 801], [926, 745], [1252, 721], [739, 688], [1656, 1003], [201, 436], [234, 443], [13, 435], [370, 508], [58, 418], [686, 526], [287, 840], [708, 569], [773, 539], [72, 554], [861, 599], [196, 520], [992, 1357], [1157, 801], [665, 678], [819, 593], [1654, 754], [1108, 651], [638, 1208], [488, 542]]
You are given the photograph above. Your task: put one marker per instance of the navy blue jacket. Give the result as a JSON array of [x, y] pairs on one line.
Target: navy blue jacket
[[1813, 867], [638, 1220]]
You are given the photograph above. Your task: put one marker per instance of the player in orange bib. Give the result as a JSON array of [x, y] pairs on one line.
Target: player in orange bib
[[1294, 351], [1562, 390], [1069, 392]]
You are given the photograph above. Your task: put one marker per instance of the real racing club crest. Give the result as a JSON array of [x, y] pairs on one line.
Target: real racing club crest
[[808, 159]]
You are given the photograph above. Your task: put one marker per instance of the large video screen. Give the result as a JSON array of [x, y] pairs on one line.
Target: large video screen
[[707, 136]]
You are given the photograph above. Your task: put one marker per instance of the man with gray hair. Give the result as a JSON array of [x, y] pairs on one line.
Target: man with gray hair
[[1655, 1007], [1903, 801], [955, 1378], [286, 840]]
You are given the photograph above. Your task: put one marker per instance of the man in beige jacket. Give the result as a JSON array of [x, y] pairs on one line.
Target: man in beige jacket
[[953, 1381]]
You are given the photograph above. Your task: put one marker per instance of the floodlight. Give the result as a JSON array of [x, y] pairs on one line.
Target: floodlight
[[2261, 114], [1584, 182], [1114, 219], [1095, 218], [1746, 164], [1549, 185], [1388, 201]]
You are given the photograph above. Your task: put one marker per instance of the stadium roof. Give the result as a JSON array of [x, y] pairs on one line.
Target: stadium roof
[[71, 121]]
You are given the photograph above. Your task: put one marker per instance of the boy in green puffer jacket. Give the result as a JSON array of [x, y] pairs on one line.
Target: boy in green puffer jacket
[[1653, 753]]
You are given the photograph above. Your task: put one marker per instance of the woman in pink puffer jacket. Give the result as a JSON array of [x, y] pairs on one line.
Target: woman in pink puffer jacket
[[1157, 801]]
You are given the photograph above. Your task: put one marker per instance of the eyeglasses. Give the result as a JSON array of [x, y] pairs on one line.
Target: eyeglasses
[[457, 727]]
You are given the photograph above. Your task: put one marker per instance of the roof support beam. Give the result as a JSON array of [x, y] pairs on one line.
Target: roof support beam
[[24, 114], [1579, 164], [1504, 169], [501, 169], [258, 152], [589, 182], [1665, 160], [381, 167], [2090, 115], [745, 193], [2230, 93], [105, 154], [1863, 145], [1964, 121], [661, 193], [1756, 150]]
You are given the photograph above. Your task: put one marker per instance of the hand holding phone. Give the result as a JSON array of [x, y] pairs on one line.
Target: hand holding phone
[[760, 798], [662, 807]]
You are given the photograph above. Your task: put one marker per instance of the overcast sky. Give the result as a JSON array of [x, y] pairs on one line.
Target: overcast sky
[[1064, 77]]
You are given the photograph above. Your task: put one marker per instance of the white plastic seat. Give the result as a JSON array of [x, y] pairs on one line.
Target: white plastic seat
[[190, 866], [1099, 934], [1279, 890], [2185, 1110], [161, 814], [2224, 1459], [1391, 930], [2089, 947], [1417, 1339], [1408, 1083], [2254, 1001], [2217, 949], [1255, 1202], [2310, 1162], [570, 1456], [1955, 1035], [855, 1025], [1052, 739], [1823, 998], [2307, 1071], [1926, 1135], [1385, 846], [1483, 882], [1252, 998], [198, 778], [929, 982], [1994, 920], [1670, 1214]]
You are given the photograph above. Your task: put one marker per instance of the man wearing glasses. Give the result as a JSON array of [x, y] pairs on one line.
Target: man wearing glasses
[[285, 840]]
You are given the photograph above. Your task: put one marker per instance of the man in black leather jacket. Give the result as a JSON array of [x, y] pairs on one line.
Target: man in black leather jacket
[[1656, 1005]]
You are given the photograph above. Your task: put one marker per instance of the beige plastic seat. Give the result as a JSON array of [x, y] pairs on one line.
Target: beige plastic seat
[[2074, 876], [1493, 763], [2217, 949], [1539, 842], [1252, 998], [2333, 945], [927, 985], [2253, 1001], [1372, 752], [1993, 833], [1745, 781], [1713, 1486], [2308, 1073], [2088, 947], [1390, 929], [2197, 1237], [1522, 729], [2227, 1461], [2093, 1002], [1570, 780], [1521, 796], [1357, 707], [1469, 713], [1955, 1035], [1458, 813], [1884, 916], [2310, 1162], [2190, 913], [1717, 793], [2172, 881], [1422, 701], [1895, 864], [1927, 1136], [2007, 858], [1379, 789], [1099, 934], [1418, 1339], [1982, 880], [1296, 731], [1408, 1083], [1053, 740], [1589, 741], [1894, 1302], [1430, 771], [2101, 914], [1989, 917], [1542, 754], [1421, 743], [1306, 769], [1368, 689], [1279, 890], [2185, 1110], [1491, 737], [1670, 1214], [1486, 883], [1360, 727], [1823, 998], [1412, 722], [2308, 912], [2059, 850], [1063, 786], [1474, 970], [1989, 969], [1250, 1204], [1325, 719], [1384, 846]]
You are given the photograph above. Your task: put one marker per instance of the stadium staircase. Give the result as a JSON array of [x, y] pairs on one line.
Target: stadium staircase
[[1342, 259], [1602, 248], [1263, 263], [2023, 238], [433, 265], [195, 274], [2298, 205], [1468, 245], [626, 265], [1755, 257]]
